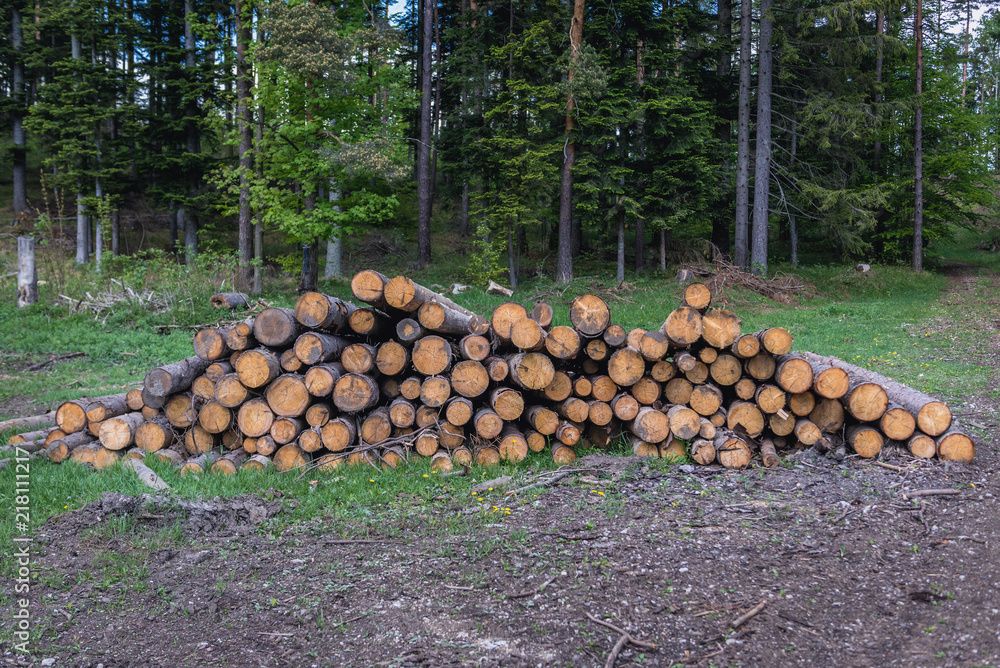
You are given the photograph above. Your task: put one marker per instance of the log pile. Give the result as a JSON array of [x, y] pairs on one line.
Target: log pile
[[409, 373]]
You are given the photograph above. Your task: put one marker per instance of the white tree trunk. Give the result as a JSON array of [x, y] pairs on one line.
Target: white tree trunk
[[27, 274], [335, 246]]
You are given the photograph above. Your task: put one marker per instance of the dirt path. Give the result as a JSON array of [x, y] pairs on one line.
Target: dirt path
[[852, 572]]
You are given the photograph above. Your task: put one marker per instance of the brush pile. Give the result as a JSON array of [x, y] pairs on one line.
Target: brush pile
[[411, 373]]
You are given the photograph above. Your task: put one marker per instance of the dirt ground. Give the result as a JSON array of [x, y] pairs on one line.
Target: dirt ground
[[850, 571]]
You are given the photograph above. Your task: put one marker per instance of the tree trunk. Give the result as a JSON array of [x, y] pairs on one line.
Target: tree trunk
[[743, 142], [258, 227], [190, 218], [918, 150], [793, 228], [640, 223], [425, 189], [27, 274], [335, 246], [564, 258], [762, 173], [244, 124], [723, 70], [20, 151]]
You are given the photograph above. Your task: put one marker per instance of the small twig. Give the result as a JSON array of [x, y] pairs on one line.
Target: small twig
[[847, 513], [536, 590], [456, 588], [276, 635], [897, 469], [357, 541], [553, 479], [631, 639], [931, 492], [740, 621]]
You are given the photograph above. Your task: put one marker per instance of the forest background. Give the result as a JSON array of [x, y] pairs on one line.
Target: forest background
[[551, 134]]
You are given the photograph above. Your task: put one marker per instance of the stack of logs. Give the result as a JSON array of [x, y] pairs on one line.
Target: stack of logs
[[412, 373]]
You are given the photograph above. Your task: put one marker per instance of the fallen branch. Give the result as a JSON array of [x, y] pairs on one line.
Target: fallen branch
[[625, 638], [743, 619], [930, 492], [554, 479], [36, 367], [37, 421], [536, 590], [146, 475]]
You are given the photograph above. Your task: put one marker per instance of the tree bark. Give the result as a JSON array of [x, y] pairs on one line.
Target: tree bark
[[244, 125], [762, 173], [190, 218], [20, 152], [334, 247], [723, 70], [425, 189], [918, 150], [743, 142], [564, 257]]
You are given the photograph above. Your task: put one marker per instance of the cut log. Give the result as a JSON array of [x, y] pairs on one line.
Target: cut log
[[390, 387], [683, 326], [96, 455], [197, 441], [684, 422], [650, 425], [865, 440], [597, 350], [866, 401], [646, 391], [231, 300], [203, 388], [536, 441], [255, 418], [102, 408], [761, 366], [287, 396], [768, 454], [474, 347], [697, 296], [726, 370], [504, 317], [746, 415], [663, 371], [921, 446], [240, 336], [214, 372], [173, 456], [745, 346], [181, 410], [654, 346], [435, 391], [427, 444], [339, 434], [707, 430], [807, 432], [318, 311], [393, 457], [513, 445], [376, 427], [233, 440], [956, 447], [702, 450], [265, 445], [214, 417], [582, 387], [409, 330], [590, 315], [776, 340], [781, 425], [402, 413], [358, 358], [286, 429], [678, 391], [317, 347], [369, 286], [697, 375], [542, 313], [673, 448], [708, 354], [897, 423], [486, 455], [625, 407], [573, 409], [770, 398], [229, 391], [732, 451], [318, 415], [684, 361], [933, 416], [531, 371], [59, 450], [562, 454], [568, 433], [441, 462], [561, 387], [720, 328], [452, 435], [801, 404], [705, 399], [469, 378], [403, 294], [409, 388], [793, 373], [322, 379], [626, 366], [599, 413], [134, 397], [563, 342], [542, 419], [290, 458], [258, 367], [497, 368], [289, 361], [392, 358], [311, 439], [507, 402], [745, 389], [369, 322], [439, 317], [828, 415], [229, 463], [603, 388], [29, 436], [458, 411], [487, 423], [432, 355], [176, 377], [210, 343], [614, 335], [276, 327], [354, 393], [641, 448], [257, 463]]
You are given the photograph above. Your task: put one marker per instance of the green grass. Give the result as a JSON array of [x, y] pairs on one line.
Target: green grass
[[889, 320]]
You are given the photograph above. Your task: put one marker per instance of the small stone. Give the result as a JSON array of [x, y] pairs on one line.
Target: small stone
[[48, 662]]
